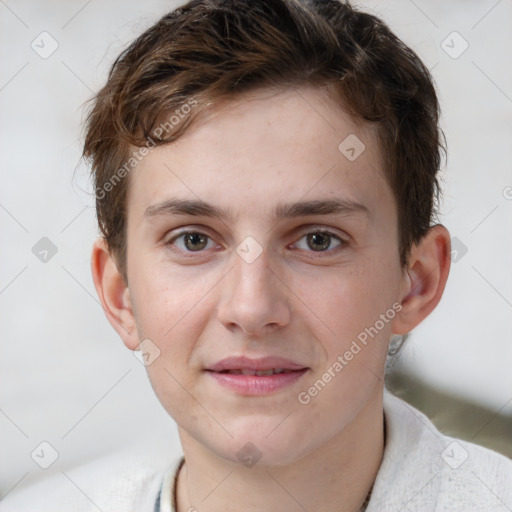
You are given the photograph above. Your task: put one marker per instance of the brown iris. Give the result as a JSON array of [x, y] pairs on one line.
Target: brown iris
[[318, 241], [195, 241]]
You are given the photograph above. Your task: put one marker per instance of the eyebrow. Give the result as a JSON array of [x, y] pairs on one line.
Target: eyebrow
[[287, 210]]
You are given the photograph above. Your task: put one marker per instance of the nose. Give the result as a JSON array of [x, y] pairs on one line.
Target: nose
[[254, 298]]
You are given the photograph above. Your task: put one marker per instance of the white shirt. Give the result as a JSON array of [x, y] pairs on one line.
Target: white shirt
[[422, 471]]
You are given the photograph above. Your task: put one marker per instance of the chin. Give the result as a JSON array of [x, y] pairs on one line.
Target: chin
[[265, 442]]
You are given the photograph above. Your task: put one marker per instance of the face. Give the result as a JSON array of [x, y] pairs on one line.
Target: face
[[256, 243]]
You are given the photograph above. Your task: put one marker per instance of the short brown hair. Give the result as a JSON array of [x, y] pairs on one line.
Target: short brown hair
[[210, 50]]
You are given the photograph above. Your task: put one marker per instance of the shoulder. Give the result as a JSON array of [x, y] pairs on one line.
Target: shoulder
[[118, 482], [480, 478], [425, 470]]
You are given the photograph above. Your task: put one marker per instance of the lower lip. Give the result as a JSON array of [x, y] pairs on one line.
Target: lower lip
[[257, 384]]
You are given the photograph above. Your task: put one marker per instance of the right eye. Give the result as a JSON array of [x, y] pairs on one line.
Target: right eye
[[191, 241]]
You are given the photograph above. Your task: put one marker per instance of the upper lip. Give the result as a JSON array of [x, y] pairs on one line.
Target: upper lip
[[263, 363]]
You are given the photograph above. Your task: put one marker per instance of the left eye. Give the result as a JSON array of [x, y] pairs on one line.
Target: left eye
[[319, 241], [192, 241]]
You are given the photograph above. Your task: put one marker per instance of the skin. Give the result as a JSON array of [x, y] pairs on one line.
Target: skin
[[248, 155]]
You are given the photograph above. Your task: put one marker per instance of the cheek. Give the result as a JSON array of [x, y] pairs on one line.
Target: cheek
[[347, 305], [170, 312], [166, 299], [175, 327]]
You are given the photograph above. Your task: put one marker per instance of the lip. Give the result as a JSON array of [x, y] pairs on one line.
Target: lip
[[260, 364], [256, 384]]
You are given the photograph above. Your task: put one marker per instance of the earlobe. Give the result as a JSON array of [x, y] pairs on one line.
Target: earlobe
[[426, 277], [113, 293]]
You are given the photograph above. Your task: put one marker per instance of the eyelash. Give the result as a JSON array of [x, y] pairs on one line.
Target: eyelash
[[342, 242]]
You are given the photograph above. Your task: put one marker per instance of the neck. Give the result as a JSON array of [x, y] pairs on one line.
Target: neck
[[337, 477]]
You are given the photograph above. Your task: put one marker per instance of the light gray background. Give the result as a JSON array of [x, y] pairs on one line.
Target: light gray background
[[66, 378]]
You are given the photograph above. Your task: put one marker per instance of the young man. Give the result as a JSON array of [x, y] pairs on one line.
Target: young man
[[266, 186]]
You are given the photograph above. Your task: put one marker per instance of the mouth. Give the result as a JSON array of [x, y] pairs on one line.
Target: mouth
[[249, 366], [262, 376], [259, 373]]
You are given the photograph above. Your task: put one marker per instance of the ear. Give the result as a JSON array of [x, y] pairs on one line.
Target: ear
[[114, 294], [424, 279]]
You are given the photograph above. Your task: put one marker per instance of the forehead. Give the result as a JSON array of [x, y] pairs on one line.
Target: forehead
[[262, 147]]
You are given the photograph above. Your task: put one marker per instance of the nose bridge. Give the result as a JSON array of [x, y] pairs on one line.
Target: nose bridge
[[253, 278], [253, 298]]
